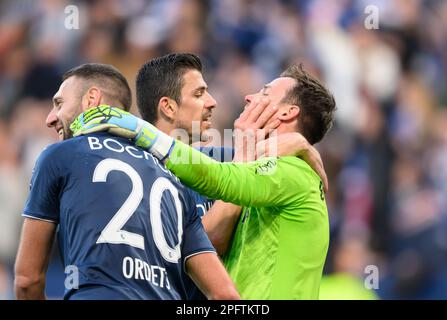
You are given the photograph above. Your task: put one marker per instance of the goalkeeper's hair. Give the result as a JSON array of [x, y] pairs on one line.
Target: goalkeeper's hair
[[108, 79], [317, 104], [163, 77]]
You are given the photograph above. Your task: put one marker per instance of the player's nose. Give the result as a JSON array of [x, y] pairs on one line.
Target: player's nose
[[211, 102], [51, 119], [249, 98]]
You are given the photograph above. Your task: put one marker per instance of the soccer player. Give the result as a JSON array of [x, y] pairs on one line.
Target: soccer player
[[172, 94], [281, 240], [128, 229]]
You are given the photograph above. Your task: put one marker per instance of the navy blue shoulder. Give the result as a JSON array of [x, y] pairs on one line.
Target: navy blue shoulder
[[53, 151], [62, 150]]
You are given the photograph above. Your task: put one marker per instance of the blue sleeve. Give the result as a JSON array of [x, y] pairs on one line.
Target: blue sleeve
[[195, 239], [45, 186]]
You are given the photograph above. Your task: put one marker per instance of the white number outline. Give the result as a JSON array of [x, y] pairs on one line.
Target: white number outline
[[113, 233], [161, 185]]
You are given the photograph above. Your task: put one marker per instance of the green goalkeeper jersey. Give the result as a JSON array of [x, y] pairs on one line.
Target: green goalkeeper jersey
[[280, 243]]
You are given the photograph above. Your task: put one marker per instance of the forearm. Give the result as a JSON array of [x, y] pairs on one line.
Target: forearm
[[219, 224], [27, 288], [236, 183], [211, 278], [32, 259]]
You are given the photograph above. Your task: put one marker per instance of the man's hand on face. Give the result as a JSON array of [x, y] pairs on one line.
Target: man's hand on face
[[252, 126], [293, 144]]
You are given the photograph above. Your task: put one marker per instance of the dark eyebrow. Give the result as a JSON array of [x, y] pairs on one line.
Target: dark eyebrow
[[56, 100], [201, 88], [267, 86]]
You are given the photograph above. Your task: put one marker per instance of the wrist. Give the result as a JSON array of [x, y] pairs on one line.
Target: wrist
[[158, 143], [162, 147]]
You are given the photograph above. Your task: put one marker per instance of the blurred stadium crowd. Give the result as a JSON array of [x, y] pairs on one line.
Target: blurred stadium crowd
[[386, 156]]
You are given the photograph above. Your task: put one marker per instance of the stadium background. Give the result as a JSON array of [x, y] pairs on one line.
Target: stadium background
[[386, 156]]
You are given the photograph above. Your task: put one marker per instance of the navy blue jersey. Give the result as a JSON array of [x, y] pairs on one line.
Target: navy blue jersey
[[220, 154], [126, 224], [203, 204]]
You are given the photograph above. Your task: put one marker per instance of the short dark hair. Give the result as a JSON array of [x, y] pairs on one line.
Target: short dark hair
[[163, 77], [317, 104], [109, 79]]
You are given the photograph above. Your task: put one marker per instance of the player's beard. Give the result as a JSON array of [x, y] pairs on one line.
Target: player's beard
[[195, 131], [205, 125], [198, 134], [68, 134]]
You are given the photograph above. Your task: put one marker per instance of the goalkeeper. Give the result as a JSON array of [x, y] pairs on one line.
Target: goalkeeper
[[280, 243]]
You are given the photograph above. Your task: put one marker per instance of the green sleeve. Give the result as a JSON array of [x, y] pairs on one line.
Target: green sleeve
[[266, 182]]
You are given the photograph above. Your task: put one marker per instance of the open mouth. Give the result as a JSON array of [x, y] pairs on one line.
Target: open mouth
[[60, 132], [206, 120]]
